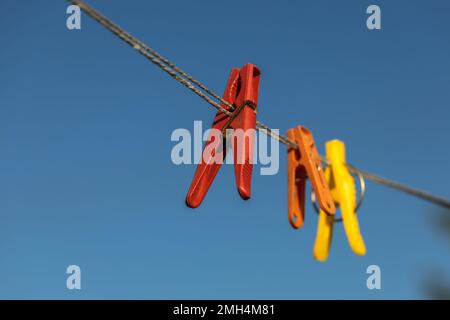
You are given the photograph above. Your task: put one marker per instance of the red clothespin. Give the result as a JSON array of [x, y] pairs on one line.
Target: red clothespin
[[242, 93], [304, 162]]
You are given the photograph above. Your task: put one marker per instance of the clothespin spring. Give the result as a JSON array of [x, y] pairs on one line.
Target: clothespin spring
[[236, 112], [362, 187]]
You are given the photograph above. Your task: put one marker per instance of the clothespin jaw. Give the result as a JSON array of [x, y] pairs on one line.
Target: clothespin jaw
[[241, 92], [343, 190], [304, 162], [246, 99]]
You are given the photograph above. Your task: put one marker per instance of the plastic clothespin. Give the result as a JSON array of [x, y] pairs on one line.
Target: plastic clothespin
[[304, 162], [242, 93], [343, 190]]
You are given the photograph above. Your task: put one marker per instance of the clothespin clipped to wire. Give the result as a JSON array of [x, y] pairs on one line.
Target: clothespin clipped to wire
[[304, 162], [242, 93], [343, 190]]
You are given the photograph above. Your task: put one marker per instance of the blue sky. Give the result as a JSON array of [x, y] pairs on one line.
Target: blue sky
[[86, 176]]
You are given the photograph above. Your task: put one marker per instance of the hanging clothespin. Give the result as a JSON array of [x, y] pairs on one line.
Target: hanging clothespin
[[242, 93], [343, 190], [304, 162]]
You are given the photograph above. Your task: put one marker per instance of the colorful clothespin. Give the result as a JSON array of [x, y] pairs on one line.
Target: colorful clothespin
[[304, 162], [343, 190], [242, 93]]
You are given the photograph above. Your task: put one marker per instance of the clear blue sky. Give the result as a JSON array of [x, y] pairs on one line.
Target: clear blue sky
[[85, 171]]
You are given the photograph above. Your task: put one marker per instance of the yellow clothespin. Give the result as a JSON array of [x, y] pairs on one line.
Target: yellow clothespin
[[343, 191]]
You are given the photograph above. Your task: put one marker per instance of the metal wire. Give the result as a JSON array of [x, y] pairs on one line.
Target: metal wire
[[167, 66], [210, 96], [440, 201]]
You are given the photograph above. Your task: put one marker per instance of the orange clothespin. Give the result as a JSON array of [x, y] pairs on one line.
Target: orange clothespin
[[304, 162]]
